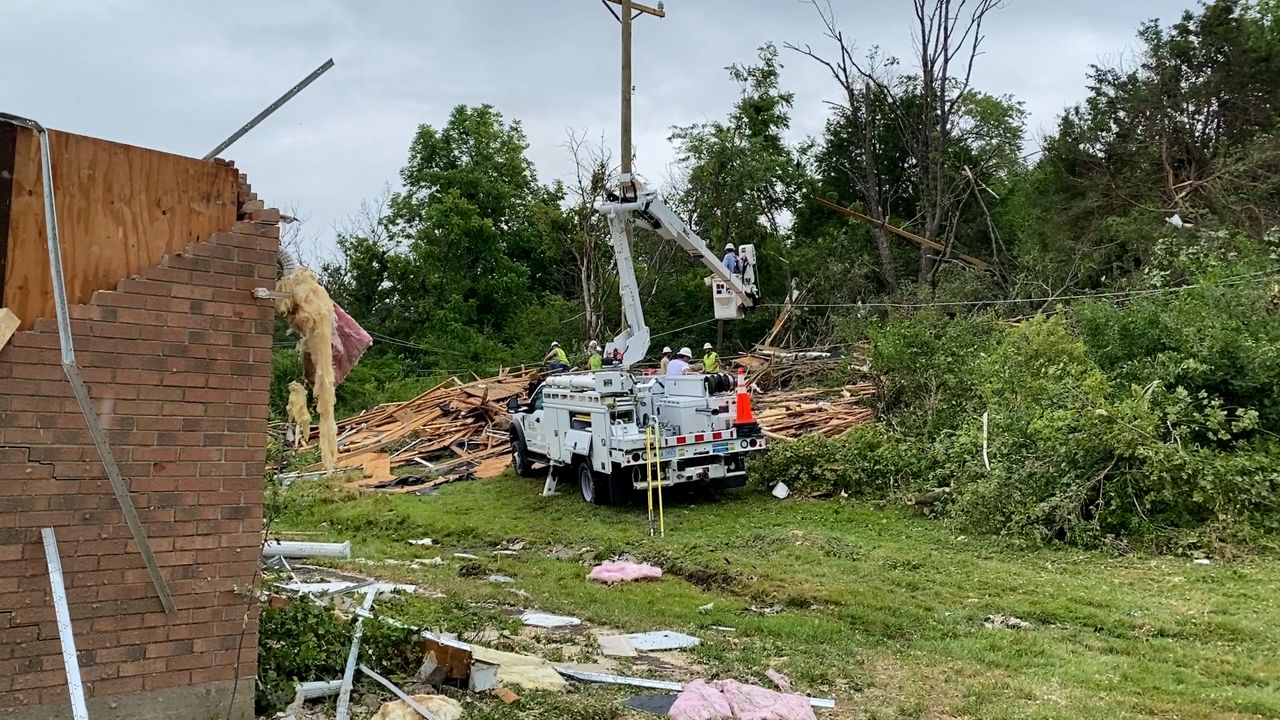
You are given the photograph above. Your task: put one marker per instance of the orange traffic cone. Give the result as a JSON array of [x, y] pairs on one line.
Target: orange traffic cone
[[745, 418]]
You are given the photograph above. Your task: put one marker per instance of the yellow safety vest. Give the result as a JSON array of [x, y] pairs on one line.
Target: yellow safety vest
[[595, 362], [710, 363], [561, 357]]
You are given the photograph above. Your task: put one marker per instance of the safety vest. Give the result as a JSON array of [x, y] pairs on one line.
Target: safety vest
[[595, 362], [561, 357], [710, 362]]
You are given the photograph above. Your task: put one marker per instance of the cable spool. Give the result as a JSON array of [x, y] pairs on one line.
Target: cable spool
[[719, 383]]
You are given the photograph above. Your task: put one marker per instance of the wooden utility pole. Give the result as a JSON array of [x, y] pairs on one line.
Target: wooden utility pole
[[625, 18]]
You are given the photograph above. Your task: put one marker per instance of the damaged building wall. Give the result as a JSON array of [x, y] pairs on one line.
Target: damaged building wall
[[178, 362]]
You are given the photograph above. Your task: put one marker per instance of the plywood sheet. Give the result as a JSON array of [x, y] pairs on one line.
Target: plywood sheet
[[120, 209]]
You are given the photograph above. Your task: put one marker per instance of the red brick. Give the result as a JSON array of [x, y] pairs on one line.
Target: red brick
[[167, 679], [117, 686]]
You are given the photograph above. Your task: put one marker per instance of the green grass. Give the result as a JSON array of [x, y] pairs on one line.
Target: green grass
[[880, 609]]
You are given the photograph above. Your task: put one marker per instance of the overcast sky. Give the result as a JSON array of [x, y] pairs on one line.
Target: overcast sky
[[181, 76]]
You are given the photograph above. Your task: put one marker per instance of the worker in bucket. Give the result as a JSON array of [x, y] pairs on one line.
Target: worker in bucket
[[595, 360], [710, 361], [555, 358], [730, 258], [680, 366], [666, 359]]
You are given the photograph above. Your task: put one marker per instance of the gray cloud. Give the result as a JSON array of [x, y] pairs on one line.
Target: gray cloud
[[181, 76]]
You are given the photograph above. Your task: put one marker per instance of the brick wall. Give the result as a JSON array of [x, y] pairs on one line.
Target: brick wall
[[178, 363]]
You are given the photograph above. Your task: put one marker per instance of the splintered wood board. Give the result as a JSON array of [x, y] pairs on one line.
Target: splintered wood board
[[120, 209]]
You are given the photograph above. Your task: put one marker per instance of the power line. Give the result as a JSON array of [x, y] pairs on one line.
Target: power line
[[1236, 280]]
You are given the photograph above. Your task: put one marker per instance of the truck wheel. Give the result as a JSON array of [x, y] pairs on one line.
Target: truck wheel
[[594, 485], [621, 491], [520, 461]]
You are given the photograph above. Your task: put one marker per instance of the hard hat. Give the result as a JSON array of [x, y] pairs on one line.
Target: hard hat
[[666, 350], [555, 344], [594, 344], [685, 352], [706, 346], [728, 246]]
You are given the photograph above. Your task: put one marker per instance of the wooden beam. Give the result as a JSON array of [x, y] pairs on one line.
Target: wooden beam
[[656, 12], [8, 156], [906, 234]]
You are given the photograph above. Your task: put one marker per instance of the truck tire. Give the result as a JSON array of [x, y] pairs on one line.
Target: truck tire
[[593, 485], [520, 461], [621, 491]]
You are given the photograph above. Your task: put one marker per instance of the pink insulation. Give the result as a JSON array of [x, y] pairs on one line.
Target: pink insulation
[[752, 702], [610, 573], [732, 700], [349, 343], [700, 701]]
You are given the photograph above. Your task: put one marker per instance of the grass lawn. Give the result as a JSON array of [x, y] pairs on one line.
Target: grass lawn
[[880, 609]]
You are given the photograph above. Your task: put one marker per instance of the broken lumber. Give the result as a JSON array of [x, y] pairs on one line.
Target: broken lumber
[[8, 326]]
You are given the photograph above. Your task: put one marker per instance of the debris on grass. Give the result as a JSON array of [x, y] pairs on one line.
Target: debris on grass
[[500, 579], [1005, 622], [782, 681], [652, 704], [547, 620], [765, 609], [425, 542], [781, 491], [440, 707], [660, 640], [616, 646], [614, 572]]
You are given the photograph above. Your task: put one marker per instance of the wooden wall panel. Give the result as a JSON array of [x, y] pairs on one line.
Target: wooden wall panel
[[120, 209]]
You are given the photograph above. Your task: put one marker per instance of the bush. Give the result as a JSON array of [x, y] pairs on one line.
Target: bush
[[1155, 422], [302, 641]]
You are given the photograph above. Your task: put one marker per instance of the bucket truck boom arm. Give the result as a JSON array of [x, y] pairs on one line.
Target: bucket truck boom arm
[[732, 292]]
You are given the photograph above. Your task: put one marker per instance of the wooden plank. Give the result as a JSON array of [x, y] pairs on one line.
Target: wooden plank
[[8, 146], [120, 209], [8, 325]]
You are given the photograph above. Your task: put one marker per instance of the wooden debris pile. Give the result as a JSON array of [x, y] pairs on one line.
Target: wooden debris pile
[[775, 369], [788, 415], [452, 431]]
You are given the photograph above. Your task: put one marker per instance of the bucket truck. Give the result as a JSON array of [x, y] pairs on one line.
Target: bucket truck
[[613, 431]]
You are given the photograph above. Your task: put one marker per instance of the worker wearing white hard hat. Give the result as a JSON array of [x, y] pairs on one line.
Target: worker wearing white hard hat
[[666, 359], [730, 258], [556, 359], [710, 361], [595, 361], [680, 365]]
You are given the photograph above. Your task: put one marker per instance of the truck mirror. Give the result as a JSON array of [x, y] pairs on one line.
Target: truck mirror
[[513, 404]]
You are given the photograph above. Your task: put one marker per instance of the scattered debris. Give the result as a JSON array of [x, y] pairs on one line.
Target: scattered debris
[[466, 556], [1005, 622], [309, 310], [511, 545], [437, 707], [292, 549], [706, 608], [500, 579], [789, 415], [700, 701], [616, 646], [460, 429], [484, 676], [665, 684], [437, 560], [549, 621], [723, 628], [9, 323], [506, 696], [1202, 561], [653, 704], [782, 681], [781, 491], [765, 609], [525, 671], [337, 587], [445, 707], [752, 702], [425, 542], [660, 640], [614, 572]]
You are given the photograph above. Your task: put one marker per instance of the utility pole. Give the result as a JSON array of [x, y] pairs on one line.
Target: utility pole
[[625, 18]]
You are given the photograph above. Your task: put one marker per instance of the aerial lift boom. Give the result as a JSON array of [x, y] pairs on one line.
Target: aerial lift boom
[[732, 292]]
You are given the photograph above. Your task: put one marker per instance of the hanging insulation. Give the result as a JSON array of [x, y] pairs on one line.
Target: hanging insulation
[[299, 413], [310, 312]]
